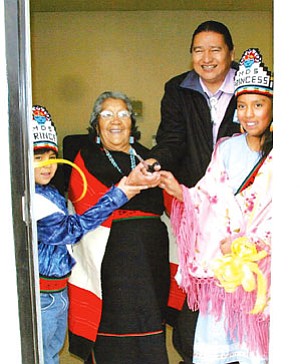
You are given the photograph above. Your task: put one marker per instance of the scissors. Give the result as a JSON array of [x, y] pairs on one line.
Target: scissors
[[150, 168]]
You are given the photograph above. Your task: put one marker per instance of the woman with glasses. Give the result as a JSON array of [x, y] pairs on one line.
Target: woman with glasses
[[119, 287]]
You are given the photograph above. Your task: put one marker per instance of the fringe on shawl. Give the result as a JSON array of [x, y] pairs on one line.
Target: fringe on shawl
[[202, 291]]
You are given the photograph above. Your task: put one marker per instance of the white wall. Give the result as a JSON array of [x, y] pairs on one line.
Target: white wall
[[285, 315]]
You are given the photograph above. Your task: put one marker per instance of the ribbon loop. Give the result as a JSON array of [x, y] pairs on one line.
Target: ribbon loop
[[239, 267], [65, 161]]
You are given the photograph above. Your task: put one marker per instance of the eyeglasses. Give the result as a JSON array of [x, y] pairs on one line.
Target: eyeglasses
[[109, 115]]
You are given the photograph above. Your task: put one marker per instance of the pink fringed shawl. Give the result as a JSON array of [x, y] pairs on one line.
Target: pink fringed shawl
[[210, 212]]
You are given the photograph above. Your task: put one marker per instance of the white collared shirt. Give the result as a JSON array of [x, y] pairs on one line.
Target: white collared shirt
[[219, 101]]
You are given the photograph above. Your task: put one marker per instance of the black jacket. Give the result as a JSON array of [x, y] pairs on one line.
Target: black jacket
[[184, 136]]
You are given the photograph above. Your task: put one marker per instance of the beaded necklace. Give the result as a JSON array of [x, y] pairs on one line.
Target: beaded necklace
[[115, 164]]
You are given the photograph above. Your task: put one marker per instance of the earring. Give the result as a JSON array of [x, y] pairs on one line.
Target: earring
[[98, 139], [242, 129], [271, 127], [131, 139]]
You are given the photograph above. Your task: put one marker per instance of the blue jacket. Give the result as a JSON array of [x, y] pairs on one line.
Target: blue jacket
[[56, 228]]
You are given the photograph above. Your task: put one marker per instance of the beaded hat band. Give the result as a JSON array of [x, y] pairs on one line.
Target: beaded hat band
[[43, 129], [253, 76]]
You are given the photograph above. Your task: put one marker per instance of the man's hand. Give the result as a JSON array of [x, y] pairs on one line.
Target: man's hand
[[152, 165], [139, 176]]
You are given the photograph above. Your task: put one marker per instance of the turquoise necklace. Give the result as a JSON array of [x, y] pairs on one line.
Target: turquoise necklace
[[115, 164]]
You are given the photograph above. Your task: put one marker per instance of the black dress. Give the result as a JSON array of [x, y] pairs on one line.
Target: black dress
[[134, 273]]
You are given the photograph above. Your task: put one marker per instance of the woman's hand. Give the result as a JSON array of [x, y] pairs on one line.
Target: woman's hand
[[130, 190], [169, 183]]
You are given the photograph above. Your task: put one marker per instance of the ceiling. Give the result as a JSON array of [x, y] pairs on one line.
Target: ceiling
[[148, 5]]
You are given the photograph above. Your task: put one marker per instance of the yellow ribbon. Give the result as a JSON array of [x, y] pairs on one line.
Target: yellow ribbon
[[238, 268], [65, 161]]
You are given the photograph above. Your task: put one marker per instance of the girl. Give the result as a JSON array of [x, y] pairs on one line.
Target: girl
[[223, 230]]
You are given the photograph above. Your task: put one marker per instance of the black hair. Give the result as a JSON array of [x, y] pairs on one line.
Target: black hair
[[44, 150], [214, 26], [268, 141]]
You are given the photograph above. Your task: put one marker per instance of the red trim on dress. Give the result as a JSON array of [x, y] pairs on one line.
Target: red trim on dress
[[176, 294], [131, 335], [85, 311]]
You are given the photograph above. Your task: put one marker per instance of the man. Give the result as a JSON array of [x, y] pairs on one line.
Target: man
[[198, 108]]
